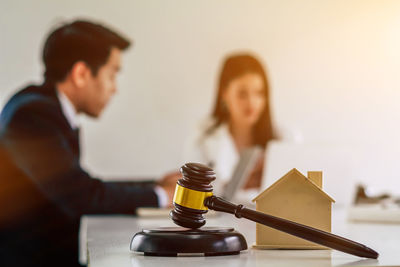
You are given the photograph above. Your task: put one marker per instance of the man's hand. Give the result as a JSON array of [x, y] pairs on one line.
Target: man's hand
[[168, 183]]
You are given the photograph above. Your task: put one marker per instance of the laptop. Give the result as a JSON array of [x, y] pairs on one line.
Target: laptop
[[247, 161]]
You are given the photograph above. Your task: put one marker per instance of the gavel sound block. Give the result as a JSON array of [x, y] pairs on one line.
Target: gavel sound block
[[193, 197], [174, 241]]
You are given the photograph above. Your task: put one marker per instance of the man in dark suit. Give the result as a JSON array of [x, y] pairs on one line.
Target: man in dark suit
[[44, 190]]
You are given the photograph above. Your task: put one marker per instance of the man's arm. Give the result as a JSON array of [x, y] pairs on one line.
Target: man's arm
[[40, 149]]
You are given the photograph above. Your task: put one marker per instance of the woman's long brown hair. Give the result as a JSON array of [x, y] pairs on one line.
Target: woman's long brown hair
[[235, 66]]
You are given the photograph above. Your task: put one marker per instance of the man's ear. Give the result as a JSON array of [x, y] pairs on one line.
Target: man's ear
[[80, 74]]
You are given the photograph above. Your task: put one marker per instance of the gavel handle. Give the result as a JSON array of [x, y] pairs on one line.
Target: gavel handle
[[293, 228]]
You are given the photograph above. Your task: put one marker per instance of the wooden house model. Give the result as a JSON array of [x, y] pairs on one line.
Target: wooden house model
[[296, 198]]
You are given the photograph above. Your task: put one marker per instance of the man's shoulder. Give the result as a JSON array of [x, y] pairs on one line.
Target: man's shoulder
[[32, 95], [30, 98], [28, 102]]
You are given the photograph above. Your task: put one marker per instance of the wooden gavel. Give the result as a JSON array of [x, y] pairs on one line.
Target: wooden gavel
[[193, 197]]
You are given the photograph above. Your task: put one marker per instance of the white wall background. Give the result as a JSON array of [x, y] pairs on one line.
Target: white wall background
[[334, 69]]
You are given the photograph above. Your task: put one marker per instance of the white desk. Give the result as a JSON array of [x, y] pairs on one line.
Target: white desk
[[108, 240]]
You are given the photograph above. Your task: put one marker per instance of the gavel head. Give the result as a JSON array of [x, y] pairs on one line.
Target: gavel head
[[191, 191]]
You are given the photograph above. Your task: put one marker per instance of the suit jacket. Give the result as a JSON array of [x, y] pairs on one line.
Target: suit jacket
[[44, 190]]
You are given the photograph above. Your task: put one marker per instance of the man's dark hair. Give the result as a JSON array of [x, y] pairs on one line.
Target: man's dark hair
[[78, 41]]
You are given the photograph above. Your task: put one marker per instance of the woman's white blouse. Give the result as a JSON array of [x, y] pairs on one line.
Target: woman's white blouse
[[216, 150]]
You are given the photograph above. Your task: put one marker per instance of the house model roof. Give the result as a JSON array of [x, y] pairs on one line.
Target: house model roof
[[286, 176]]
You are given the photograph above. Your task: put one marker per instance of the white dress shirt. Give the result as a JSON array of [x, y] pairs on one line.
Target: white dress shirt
[[216, 150], [69, 110]]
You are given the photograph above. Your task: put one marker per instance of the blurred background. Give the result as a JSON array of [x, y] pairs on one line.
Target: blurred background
[[333, 68]]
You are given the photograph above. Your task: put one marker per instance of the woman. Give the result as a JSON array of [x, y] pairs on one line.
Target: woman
[[241, 119]]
